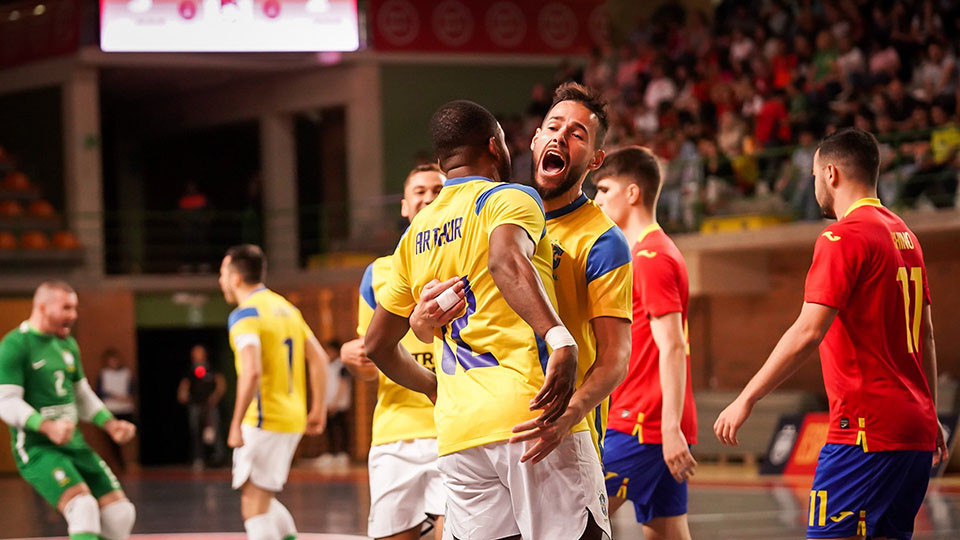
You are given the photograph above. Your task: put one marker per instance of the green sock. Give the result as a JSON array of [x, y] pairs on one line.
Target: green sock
[[85, 536], [290, 537]]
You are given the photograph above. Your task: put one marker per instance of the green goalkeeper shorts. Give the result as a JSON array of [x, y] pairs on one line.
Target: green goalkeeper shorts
[[52, 470]]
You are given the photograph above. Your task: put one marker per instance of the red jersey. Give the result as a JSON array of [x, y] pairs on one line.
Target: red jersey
[[869, 267], [660, 287]]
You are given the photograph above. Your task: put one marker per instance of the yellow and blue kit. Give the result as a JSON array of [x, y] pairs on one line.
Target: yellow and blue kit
[[491, 361], [269, 319], [594, 278], [401, 414]]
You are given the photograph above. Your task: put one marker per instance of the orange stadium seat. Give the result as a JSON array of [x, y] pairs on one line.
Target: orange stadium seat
[[17, 181], [41, 209], [65, 240], [10, 209], [8, 241], [34, 240]]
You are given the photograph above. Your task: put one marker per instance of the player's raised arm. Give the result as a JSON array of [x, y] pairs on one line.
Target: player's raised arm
[[91, 409], [795, 347], [382, 343], [317, 361], [930, 371], [511, 252]]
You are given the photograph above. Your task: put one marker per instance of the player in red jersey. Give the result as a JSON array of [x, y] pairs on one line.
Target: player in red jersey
[[867, 305], [652, 418]]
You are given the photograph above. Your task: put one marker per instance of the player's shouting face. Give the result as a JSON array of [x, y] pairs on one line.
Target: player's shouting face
[[564, 147], [59, 310]]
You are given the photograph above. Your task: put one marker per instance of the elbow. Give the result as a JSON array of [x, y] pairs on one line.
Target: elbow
[[374, 346], [503, 269], [622, 367]]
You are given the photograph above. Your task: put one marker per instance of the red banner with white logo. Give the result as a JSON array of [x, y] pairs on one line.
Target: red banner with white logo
[[512, 26]]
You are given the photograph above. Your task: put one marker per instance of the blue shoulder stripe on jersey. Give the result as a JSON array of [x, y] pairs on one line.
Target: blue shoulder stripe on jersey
[[366, 287], [241, 313], [559, 212], [485, 196], [610, 251]]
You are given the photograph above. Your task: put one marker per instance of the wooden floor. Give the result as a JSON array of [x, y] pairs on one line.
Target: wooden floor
[[177, 504]]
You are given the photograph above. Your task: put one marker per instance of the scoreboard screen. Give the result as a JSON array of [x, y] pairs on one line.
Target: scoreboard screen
[[228, 25]]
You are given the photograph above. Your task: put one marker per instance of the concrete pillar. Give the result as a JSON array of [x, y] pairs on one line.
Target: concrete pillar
[[83, 169], [278, 171], [365, 152]]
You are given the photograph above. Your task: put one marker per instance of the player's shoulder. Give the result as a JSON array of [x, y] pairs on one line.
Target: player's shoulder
[[509, 191], [656, 250], [241, 312], [377, 269], [609, 250], [16, 336]]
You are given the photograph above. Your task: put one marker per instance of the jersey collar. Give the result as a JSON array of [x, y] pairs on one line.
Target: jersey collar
[[647, 230], [866, 201], [464, 180], [564, 210]]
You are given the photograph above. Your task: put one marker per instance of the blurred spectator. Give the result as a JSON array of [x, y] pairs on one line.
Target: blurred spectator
[[117, 388], [339, 397], [201, 389]]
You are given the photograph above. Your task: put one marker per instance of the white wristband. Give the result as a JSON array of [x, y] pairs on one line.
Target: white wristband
[[559, 337], [447, 299]]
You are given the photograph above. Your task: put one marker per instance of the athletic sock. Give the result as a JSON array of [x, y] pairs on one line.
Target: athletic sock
[[84, 536], [282, 520], [261, 527]]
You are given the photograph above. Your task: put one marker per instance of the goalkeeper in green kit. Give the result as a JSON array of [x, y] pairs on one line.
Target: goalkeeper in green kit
[[43, 393]]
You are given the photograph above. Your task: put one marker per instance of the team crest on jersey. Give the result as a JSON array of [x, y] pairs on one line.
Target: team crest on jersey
[[69, 360], [61, 477], [557, 255]]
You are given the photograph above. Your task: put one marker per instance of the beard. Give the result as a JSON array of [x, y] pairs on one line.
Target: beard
[[826, 206], [572, 176]]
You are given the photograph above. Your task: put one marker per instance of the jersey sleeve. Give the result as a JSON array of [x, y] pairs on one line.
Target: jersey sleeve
[[513, 204], [833, 273], [368, 301], [609, 277], [396, 294], [244, 321], [13, 356], [78, 373], [656, 280], [307, 331]]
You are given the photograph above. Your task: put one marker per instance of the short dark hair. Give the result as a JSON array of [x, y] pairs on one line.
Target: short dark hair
[[855, 149], [423, 167], [250, 262], [461, 123], [590, 99], [637, 164]]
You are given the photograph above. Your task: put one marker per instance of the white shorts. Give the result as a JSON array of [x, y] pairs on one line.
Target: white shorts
[[490, 494], [405, 486], [264, 458]]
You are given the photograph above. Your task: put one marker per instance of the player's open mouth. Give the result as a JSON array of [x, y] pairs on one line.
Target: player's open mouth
[[553, 163]]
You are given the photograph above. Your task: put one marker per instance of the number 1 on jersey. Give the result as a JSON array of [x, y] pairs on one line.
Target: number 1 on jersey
[[913, 326], [289, 344]]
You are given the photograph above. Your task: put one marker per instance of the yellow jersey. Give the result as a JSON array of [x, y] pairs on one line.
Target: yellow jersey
[[268, 318], [594, 278], [401, 414], [491, 361]]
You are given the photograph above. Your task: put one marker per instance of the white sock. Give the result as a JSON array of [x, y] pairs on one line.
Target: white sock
[[282, 519], [261, 527]]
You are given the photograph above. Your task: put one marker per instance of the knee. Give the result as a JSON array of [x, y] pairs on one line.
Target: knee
[[82, 514], [116, 519]]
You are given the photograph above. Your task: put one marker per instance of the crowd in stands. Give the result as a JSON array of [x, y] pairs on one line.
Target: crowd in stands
[[736, 101]]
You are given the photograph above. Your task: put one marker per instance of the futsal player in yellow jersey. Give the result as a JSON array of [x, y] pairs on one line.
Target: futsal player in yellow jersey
[[405, 485], [496, 369], [591, 263], [273, 346]]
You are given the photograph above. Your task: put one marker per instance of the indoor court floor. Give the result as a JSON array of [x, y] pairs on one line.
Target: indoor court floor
[[178, 504]]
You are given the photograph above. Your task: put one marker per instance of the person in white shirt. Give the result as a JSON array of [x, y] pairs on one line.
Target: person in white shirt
[[117, 388]]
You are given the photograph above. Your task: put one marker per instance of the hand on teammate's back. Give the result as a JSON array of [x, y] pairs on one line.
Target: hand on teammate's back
[[58, 431], [558, 385], [120, 431], [429, 314], [677, 456]]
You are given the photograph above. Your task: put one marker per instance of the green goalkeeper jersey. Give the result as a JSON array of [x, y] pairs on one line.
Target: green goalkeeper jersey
[[46, 366]]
